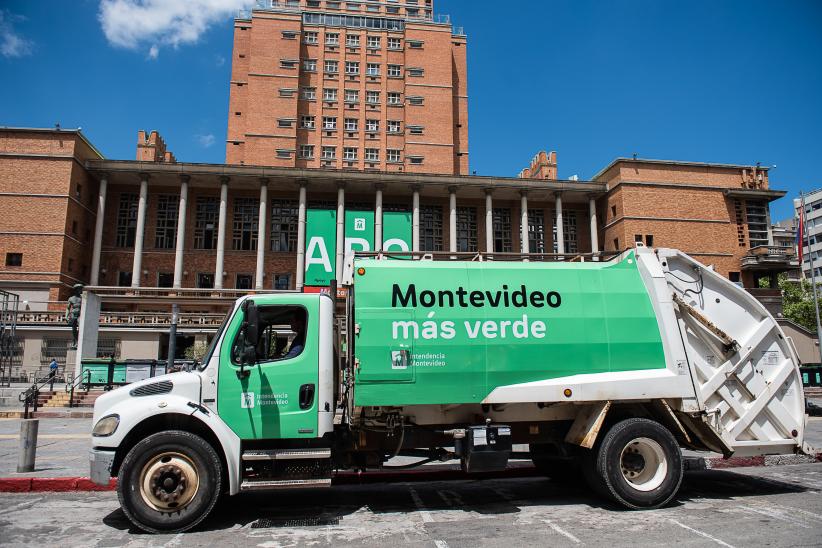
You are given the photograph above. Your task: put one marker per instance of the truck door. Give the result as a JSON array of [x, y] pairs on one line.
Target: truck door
[[277, 397]]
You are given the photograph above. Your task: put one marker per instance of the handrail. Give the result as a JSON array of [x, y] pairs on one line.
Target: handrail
[[32, 394], [76, 381]]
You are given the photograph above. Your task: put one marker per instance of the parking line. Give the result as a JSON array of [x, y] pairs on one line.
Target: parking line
[[702, 534], [562, 531]]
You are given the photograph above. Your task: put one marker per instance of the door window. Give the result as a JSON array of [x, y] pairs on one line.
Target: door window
[[283, 331]]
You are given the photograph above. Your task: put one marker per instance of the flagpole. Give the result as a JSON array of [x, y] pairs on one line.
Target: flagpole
[[804, 218]]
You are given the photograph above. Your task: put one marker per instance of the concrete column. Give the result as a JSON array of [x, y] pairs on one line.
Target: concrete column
[[592, 215], [560, 231], [489, 222], [523, 224], [301, 239], [768, 223], [261, 239], [88, 329], [181, 232], [452, 219], [415, 218], [137, 265], [378, 218], [340, 229], [98, 232], [218, 268]]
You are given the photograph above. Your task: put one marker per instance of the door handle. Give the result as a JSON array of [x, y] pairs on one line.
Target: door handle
[[307, 396]]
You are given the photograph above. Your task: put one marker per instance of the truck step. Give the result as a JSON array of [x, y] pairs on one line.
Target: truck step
[[286, 454], [249, 485]]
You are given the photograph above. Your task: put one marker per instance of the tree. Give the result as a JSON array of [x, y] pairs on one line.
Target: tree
[[196, 351], [797, 302]]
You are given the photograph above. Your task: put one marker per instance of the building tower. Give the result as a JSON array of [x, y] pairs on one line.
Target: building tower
[[367, 85]]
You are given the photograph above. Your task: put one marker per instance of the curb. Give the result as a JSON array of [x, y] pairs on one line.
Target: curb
[[48, 414], [433, 473]]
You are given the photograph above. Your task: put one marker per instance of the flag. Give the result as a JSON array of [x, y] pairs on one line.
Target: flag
[[800, 233]]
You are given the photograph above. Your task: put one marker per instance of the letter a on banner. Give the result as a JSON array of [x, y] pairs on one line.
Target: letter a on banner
[[320, 248]]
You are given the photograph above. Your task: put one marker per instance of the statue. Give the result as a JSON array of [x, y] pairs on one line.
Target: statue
[[73, 310]]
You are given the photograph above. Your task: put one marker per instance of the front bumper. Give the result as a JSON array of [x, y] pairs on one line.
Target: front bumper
[[100, 461]]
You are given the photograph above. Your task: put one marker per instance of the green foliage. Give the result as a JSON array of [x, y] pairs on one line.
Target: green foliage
[[797, 304], [196, 351]]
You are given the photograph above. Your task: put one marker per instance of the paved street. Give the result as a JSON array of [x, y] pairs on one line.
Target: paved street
[[779, 506]]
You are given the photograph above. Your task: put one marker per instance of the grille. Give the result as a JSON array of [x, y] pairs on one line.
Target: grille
[[162, 387]]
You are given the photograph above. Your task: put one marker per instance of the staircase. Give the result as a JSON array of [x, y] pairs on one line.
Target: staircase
[[49, 399]]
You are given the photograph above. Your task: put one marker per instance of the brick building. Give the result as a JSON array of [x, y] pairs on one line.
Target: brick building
[[371, 85]]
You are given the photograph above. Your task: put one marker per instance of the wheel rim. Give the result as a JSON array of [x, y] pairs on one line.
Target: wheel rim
[[643, 464], [169, 482]]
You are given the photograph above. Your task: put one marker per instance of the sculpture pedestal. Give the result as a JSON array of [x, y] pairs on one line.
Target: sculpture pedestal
[[72, 368]]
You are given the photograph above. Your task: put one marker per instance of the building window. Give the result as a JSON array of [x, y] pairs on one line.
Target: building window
[[165, 234], [352, 67], [735, 277], [310, 65], [502, 230], [329, 94], [756, 214], [246, 220], [244, 281], [284, 92], [613, 212], [284, 153], [415, 130], [306, 152], [310, 37], [307, 122], [284, 122], [374, 42], [372, 155], [415, 160], [394, 43], [332, 66], [352, 40], [394, 98], [351, 124], [350, 153], [308, 94], [649, 240], [106, 348], [288, 63], [329, 153], [289, 34], [205, 280], [165, 279], [466, 229], [416, 72], [536, 231], [637, 238], [394, 71], [329, 122], [393, 155], [282, 282], [416, 101], [126, 220], [332, 39], [372, 125], [352, 96], [394, 126], [431, 228], [569, 232], [284, 225], [372, 97], [415, 44], [372, 69], [124, 279], [205, 223], [14, 259]]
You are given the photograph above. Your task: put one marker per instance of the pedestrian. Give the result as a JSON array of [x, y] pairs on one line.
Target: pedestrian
[[53, 367]]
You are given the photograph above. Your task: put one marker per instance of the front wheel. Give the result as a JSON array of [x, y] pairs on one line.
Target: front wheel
[[169, 482], [638, 464]]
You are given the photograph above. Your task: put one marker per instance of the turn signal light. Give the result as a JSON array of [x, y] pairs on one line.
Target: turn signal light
[[361, 271], [567, 392]]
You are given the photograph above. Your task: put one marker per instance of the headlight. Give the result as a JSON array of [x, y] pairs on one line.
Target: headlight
[[106, 426]]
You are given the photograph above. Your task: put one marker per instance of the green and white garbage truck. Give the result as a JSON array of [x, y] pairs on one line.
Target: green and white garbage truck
[[604, 369]]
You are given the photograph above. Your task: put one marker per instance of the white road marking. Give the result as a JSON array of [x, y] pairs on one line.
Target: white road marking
[[425, 514], [777, 515], [562, 531], [451, 498], [702, 534], [440, 544], [176, 541], [22, 506]]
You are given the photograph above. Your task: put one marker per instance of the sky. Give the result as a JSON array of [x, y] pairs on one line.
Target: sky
[[726, 81]]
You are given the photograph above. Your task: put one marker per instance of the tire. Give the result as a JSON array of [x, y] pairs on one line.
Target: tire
[[169, 482], [637, 463], [556, 463]]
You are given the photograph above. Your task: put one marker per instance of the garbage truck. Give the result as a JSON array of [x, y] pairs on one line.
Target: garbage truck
[[605, 370]]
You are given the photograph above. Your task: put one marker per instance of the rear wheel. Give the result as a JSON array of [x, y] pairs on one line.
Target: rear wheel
[[638, 464], [169, 482]]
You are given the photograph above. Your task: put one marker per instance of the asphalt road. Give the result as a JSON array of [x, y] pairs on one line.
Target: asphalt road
[[775, 506]]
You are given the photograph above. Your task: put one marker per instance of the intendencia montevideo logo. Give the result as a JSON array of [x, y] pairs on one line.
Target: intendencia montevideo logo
[[490, 329]]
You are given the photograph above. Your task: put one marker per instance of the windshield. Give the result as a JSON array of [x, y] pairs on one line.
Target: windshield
[[213, 345]]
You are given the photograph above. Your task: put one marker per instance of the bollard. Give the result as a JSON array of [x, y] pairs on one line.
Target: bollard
[[28, 445]]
